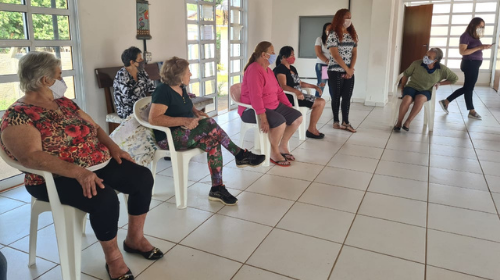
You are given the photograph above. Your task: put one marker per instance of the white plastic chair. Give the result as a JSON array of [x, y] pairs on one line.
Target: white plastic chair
[[261, 139], [180, 159], [429, 106], [68, 223], [304, 110]]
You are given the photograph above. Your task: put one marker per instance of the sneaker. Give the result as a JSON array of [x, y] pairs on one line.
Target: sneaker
[[247, 158], [475, 116], [220, 193], [444, 107]]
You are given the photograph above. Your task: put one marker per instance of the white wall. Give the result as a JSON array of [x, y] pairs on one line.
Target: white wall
[[285, 25], [259, 15]]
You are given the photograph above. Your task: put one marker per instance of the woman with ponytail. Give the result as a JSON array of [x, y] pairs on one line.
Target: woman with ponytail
[[261, 90]]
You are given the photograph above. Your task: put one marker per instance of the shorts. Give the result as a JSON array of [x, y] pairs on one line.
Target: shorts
[[275, 117], [302, 103], [413, 93]]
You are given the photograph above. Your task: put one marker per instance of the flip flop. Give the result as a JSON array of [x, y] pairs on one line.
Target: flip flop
[[288, 157], [280, 162]]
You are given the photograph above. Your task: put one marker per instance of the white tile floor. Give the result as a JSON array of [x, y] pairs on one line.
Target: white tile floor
[[374, 205]]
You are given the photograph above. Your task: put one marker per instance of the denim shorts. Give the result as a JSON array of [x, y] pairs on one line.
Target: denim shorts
[[413, 93]]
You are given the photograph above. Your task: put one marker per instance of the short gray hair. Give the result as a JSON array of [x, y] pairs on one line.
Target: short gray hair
[[438, 52], [33, 67]]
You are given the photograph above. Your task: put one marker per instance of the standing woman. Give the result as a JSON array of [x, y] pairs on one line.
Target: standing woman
[[323, 57], [471, 50], [342, 44]]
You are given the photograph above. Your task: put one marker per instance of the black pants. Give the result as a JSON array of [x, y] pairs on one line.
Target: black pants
[[471, 72], [104, 208], [3, 267], [340, 88]]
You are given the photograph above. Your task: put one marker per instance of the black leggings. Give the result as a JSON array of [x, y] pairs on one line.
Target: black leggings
[[471, 72], [340, 88], [104, 208]]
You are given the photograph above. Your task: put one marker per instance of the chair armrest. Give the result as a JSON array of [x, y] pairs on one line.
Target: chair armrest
[[308, 91], [295, 99]]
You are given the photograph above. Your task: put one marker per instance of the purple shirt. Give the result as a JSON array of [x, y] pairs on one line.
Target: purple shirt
[[471, 43]]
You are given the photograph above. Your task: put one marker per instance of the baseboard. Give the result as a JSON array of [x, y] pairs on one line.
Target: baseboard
[[11, 182]]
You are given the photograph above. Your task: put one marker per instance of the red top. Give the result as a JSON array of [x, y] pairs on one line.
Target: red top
[[261, 90], [65, 135]]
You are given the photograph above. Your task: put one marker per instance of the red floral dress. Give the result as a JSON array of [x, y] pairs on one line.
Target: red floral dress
[[65, 135]]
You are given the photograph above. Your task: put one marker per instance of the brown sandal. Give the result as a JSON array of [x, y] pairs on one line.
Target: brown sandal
[[349, 127], [336, 125]]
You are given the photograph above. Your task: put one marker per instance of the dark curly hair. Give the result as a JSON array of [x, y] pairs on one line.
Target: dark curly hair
[[130, 54]]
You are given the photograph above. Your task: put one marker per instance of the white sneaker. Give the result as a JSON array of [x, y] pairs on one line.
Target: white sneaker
[[475, 116]]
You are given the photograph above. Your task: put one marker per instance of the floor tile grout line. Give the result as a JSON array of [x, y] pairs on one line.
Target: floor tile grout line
[[427, 211], [459, 272]]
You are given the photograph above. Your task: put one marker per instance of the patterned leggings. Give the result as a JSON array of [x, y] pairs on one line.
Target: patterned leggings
[[340, 88], [209, 137]]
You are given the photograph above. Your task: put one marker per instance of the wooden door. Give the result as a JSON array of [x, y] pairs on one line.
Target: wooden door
[[416, 34]]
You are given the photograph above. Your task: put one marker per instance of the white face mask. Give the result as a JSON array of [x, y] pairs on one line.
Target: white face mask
[[480, 31], [347, 22], [58, 89]]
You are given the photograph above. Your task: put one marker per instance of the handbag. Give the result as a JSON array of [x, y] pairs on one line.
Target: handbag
[[324, 72]]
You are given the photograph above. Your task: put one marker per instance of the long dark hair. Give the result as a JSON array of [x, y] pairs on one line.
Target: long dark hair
[[323, 34], [285, 52], [259, 49], [473, 24], [338, 23]]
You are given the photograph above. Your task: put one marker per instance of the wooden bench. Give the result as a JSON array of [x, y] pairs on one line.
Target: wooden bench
[[105, 78]]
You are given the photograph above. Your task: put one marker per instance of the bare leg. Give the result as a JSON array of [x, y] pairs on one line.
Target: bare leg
[[403, 108], [317, 110], [275, 135], [289, 131], [114, 258], [420, 99], [135, 234]]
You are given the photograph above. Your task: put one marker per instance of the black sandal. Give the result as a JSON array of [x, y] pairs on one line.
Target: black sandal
[[397, 128], [126, 276], [288, 157], [314, 136], [406, 128], [152, 255]]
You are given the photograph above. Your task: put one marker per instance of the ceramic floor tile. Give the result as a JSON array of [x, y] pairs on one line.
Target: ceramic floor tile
[[485, 155], [390, 238], [434, 273], [487, 145], [451, 141], [198, 198], [314, 156], [183, 263], [344, 178], [278, 186], [451, 151], [252, 273], [235, 178], [496, 198], [399, 187], [320, 145], [333, 197], [316, 221], [19, 193], [457, 164], [55, 274], [457, 178], [357, 264], [490, 168], [361, 151], [410, 137], [296, 255], [416, 147], [464, 222], [164, 187], [369, 142], [463, 254], [169, 223], [258, 169], [258, 208], [394, 209], [402, 170], [406, 157], [242, 239], [7, 204], [298, 170], [461, 197], [354, 163], [17, 265], [16, 223], [197, 171], [493, 183]]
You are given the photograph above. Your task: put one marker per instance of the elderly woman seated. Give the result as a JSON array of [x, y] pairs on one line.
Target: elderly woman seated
[[131, 82], [261, 90], [424, 73], [289, 80], [191, 128], [46, 131]]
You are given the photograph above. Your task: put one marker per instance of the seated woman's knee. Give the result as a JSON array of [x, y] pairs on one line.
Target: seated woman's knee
[[319, 102], [105, 201], [298, 121]]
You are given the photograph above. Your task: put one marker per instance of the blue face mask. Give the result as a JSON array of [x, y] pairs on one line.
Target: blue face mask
[[427, 60], [272, 58]]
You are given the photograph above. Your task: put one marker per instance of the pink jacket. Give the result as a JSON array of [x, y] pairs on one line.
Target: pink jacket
[[261, 90]]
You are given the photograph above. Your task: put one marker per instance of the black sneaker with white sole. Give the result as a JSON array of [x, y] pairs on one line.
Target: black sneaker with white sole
[[247, 158], [443, 106], [220, 193]]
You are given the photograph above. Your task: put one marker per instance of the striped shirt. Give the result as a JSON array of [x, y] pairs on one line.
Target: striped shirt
[[345, 50]]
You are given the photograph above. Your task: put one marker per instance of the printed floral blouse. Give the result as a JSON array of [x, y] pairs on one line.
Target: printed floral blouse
[[65, 135]]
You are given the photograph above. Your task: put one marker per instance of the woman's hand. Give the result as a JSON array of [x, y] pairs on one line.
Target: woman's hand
[[88, 180], [485, 47], [350, 72], [200, 114], [264, 124], [318, 89], [300, 95], [119, 154], [191, 123]]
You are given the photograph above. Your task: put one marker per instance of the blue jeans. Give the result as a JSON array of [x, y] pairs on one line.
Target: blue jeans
[[319, 77]]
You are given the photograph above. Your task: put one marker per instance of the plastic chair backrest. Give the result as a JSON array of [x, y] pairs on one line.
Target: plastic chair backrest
[[235, 92], [15, 164], [141, 103]]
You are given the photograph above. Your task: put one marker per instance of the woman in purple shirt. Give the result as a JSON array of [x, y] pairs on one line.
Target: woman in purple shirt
[[471, 50]]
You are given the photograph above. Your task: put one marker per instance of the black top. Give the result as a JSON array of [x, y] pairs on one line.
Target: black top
[[178, 106], [292, 76]]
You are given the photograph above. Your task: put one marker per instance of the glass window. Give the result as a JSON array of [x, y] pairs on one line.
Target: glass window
[[207, 12], [12, 25], [195, 70], [209, 69], [207, 32], [235, 66], [9, 93], [454, 53], [235, 80], [235, 32], [235, 50], [51, 27], [9, 58], [439, 31], [236, 3], [192, 31], [488, 19], [57, 4], [486, 64], [462, 8], [486, 7], [235, 16], [438, 42], [487, 53], [20, 2], [461, 19], [209, 51], [192, 12], [63, 53], [486, 40], [194, 88], [70, 82], [454, 42], [209, 87], [453, 63], [193, 52], [440, 19], [458, 30], [488, 30], [441, 8]]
